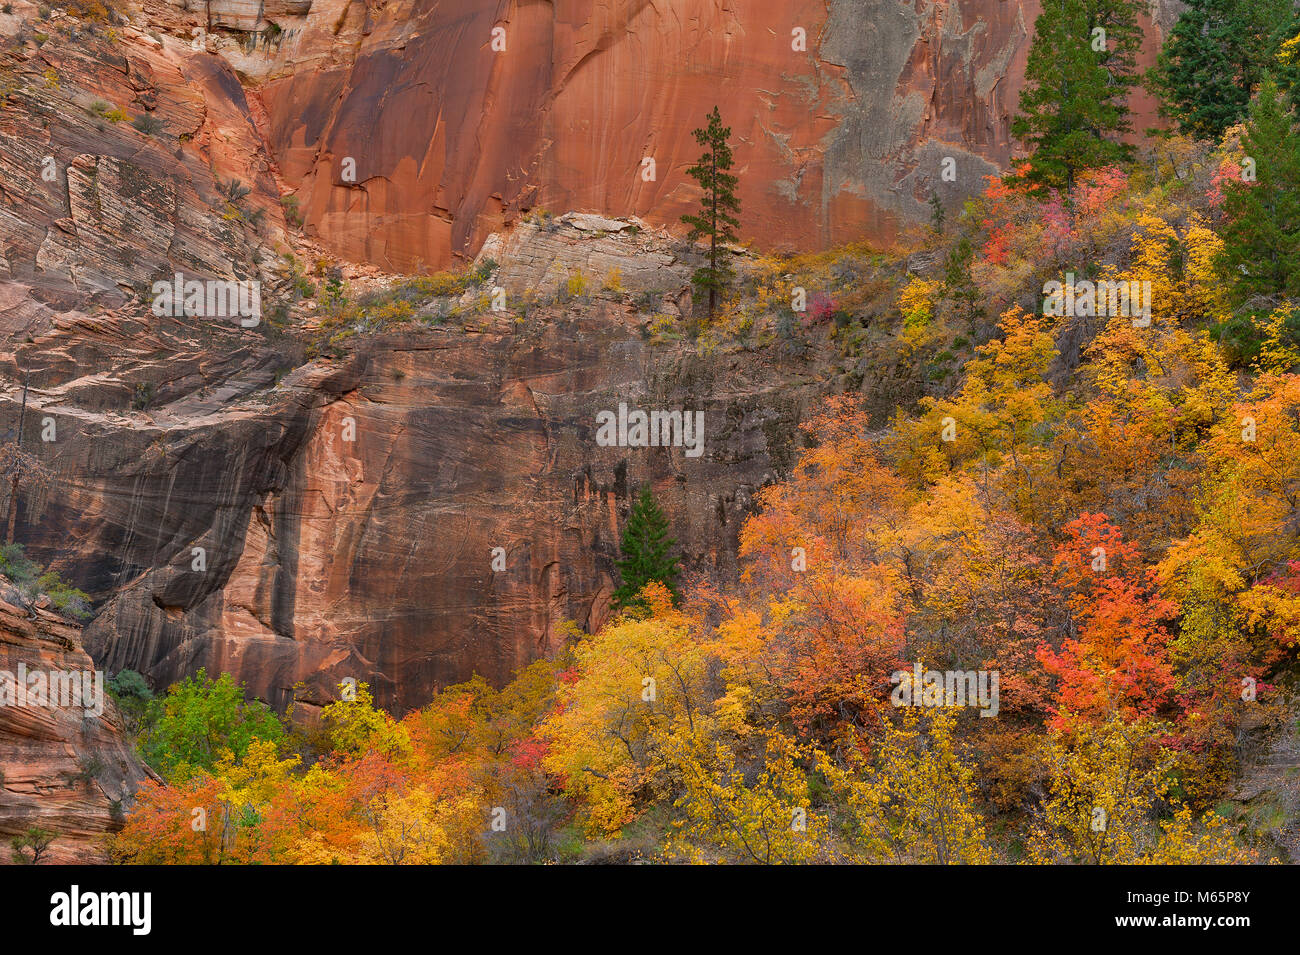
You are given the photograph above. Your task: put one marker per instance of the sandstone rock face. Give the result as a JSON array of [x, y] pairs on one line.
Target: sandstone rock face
[[452, 138], [92, 210], [65, 770], [540, 256], [348, 516], [244, 15]]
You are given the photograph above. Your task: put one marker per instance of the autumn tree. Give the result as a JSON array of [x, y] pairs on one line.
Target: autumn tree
[[822, 623], [1113, 660], [478, 721], [841, 503], [1239, 620], [378, 809], [356, 726], [1132, 449], [198, 719], [753, 807], [131, 693], [532, 815], [716, 219], [981, 597], [1108, 783], [430, 820], [997, 427], [185, 822], [824, 653], [492, 735], [635, 682], [1186, 840], [1105, 781], [915, 801], [368, 809]]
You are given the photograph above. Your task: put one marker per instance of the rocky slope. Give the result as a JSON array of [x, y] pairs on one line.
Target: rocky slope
[[117, 150], [62, 769]]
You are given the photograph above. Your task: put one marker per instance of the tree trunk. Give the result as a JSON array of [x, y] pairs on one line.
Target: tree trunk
[[13, 486], [13, 510], [713, 231]]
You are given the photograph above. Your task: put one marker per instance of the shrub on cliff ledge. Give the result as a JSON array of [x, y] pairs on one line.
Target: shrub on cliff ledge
[[132, 695], [66, 598], [29, 583], [30, 848], [15, 564], [101, 11]]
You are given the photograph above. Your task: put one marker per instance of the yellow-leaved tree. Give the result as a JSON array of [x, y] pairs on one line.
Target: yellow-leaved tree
[[638, 681], [1105, 779], [915, 801], [745, 801]]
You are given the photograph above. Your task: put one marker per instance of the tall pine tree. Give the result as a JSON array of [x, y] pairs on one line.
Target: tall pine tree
[[646, 556], [1074, 107], [1215, 56], [719, 201], [1261, 232]]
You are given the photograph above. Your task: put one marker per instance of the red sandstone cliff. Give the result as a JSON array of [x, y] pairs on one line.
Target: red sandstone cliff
[[325, 558], [452, 137], [62, 769]]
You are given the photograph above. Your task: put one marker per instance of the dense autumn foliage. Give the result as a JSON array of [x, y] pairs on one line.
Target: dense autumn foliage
[[1103, 513]]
